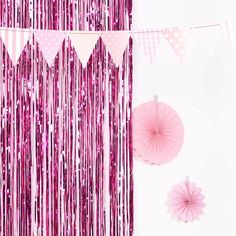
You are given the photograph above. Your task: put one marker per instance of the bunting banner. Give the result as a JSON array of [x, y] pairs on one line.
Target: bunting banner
[[84, 42]]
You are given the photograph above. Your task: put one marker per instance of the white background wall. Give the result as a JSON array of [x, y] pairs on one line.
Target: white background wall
[[202, 89]]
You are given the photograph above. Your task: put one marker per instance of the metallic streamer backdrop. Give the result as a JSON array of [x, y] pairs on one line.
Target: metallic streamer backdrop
[[65, 131]]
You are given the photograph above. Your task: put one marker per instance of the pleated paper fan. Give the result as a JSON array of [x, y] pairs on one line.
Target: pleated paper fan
[[158, 133], [185, 201]]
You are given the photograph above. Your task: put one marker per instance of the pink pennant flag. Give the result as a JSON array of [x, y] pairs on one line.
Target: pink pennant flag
[[149, 42], [176, 38], [84, 44], [14, 41], [49, 43], [229, 30], [116, 42]]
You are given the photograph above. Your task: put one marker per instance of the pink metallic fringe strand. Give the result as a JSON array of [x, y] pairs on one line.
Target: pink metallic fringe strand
[[65, 131]]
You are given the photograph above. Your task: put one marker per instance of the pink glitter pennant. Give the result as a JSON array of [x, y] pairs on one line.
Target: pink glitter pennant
[[65, 138]]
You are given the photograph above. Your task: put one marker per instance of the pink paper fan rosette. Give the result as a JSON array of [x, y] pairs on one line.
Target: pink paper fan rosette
[[185, 202], [158, 133]]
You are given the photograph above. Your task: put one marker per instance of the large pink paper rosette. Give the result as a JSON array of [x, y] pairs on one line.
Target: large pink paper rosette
[[158, 133], [185, 201]]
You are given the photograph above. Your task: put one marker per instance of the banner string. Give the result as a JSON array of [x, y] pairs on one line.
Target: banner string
[[130, 31]]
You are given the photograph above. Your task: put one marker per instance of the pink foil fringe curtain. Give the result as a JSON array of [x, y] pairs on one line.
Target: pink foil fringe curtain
[[65, 131]]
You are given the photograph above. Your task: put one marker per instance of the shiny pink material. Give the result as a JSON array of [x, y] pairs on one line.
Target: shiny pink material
[[158, 133], [186, 201], [65, 131]]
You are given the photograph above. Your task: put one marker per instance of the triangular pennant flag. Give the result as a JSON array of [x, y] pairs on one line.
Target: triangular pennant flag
[[176, 39], [229, 30], [116, 42], [84, 44], [149, 42], [208, 38], [49, 43], [15, 41]]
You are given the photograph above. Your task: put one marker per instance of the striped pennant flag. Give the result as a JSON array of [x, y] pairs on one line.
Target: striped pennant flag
[[14, 41], [229, 30]]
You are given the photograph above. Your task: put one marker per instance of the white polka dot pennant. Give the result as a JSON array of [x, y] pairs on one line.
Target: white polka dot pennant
[[116, 42], [176, 39], [49, 43]]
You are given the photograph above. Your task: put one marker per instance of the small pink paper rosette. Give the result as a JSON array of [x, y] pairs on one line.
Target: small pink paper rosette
[[185, 201], [158, 133]]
